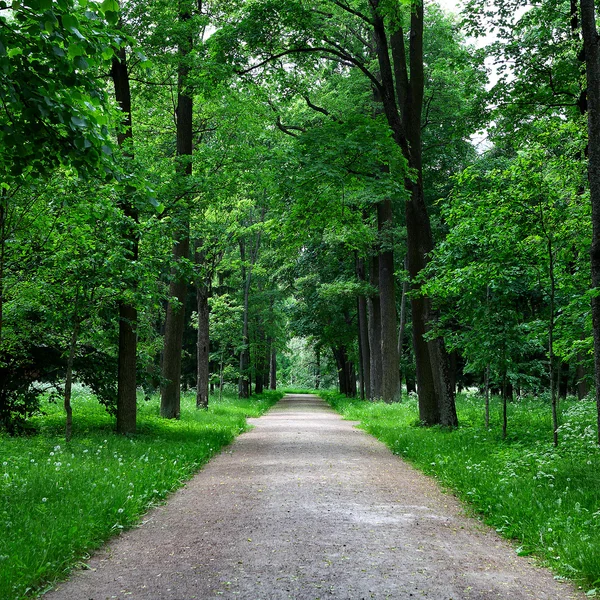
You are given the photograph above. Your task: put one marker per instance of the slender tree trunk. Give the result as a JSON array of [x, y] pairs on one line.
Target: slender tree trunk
[[259, 360], [592, 61], [487, 397], [273, 365], [363, 329], [374, 335], [553, 390], [583, 388], [202, 345], [402, 327], [69, 380], [2, 252], [390, 386], [127, 359], [244, 381], [317, 368], [504, 407], [175, 321]]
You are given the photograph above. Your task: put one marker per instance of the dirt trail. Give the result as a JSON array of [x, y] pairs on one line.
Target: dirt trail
[[307, 507]]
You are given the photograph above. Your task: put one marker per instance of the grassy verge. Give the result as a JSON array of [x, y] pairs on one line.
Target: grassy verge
[[58, 502], [546, 498]]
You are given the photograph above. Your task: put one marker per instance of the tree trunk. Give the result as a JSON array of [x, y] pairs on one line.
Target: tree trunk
[[374, 334], [402, 326], [583, 388], [403, 103], [69, 380], [127, 359], [487, 397], [317, 368], [2, 251], [175, 321], [363, 329], [592, 61], [273, 366], [203, 346], [244, 380], [390, 385]]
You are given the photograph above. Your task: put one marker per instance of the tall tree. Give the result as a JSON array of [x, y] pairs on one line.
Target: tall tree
[[175, 320], [592, 61], [127, 361]]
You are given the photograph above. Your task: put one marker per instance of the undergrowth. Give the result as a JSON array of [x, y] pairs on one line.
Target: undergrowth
[[60, 501], [546, 498]]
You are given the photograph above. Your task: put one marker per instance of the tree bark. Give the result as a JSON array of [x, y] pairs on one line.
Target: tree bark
[[202, 345], [175, 322], [363, 330], [244, 380], [390, 384], [69, 379], [127, 359], [592, 61], [374, 334], [403, 103], [273, 367]]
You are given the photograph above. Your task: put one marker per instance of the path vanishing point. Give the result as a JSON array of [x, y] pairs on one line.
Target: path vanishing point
[[305, 506]]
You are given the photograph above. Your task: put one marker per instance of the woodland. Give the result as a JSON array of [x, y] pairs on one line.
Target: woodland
[[214, 198], [186, 187]]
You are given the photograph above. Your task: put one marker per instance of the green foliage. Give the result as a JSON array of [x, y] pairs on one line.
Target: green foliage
[[50, 482], [514, 224], [543, 497], [55, 109]]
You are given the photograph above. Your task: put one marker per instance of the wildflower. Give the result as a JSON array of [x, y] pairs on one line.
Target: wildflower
[[120, 511], [44, 499]]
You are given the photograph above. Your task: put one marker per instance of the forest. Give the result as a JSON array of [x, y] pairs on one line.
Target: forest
[[384, 198]]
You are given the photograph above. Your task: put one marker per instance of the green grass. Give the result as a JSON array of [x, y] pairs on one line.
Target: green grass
[[295, 390], [60, 501], [546, 498]]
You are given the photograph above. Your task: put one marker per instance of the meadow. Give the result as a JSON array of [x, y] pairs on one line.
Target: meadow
[[58, 502], [547, 499]]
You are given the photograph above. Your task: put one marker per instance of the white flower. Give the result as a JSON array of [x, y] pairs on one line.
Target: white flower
[[120, 511], [44, 499]]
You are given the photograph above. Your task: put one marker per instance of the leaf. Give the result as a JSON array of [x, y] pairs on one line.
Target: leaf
[[76, 50], [110, 5], [70, 22], [112, 16], [81, 63], [79, 122]]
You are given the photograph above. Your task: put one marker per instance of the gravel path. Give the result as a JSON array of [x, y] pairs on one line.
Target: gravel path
[[307, 507]]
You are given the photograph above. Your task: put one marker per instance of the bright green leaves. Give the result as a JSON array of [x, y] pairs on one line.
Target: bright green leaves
[[50, 55]]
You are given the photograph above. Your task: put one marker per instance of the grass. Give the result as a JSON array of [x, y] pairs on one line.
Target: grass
[[60, 501], [546, 498]]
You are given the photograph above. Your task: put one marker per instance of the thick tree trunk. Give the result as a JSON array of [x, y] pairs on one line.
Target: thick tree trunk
[[374, 334], [592, 61], [390, 384], [203, 346], [403, 103], [127, 359], [175, 322]]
